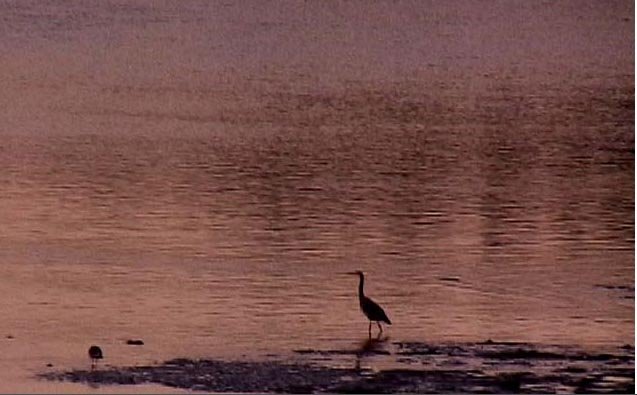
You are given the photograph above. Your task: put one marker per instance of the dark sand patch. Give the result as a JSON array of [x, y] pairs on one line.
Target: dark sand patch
[[487, 367]]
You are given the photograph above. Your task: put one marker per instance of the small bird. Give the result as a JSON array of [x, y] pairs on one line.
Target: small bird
[[371, 309], [95, 353]]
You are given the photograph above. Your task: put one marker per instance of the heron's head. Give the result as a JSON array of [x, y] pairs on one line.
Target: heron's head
[[356, 273]]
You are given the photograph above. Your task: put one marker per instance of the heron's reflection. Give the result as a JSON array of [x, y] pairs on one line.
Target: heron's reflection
[[370, 346]]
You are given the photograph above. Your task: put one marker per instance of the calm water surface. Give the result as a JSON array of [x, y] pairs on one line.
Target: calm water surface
[[198, 175]]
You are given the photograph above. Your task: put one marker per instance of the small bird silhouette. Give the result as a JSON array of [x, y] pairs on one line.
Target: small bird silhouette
[[371, 309], [95, 353]]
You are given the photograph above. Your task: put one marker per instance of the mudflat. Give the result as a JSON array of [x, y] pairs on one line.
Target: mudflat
[[413, 367]]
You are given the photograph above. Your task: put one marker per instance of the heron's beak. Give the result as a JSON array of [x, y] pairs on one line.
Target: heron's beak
[[354, 273]]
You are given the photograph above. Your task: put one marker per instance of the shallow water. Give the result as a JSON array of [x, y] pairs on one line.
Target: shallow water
[[198, 176]]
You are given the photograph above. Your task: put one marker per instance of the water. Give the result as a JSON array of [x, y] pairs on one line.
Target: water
[[199, 176]]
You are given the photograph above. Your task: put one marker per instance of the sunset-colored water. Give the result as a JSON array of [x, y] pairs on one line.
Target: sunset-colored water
[[200, 174]]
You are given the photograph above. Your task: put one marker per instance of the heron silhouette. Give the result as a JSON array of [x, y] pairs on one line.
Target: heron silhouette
[[371, 309], [95, 353]]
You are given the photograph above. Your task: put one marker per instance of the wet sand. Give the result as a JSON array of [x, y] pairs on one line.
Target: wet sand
[[484, 367]]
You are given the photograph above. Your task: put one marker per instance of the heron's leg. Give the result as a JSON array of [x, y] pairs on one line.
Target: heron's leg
[[370, 329], [379, 327]]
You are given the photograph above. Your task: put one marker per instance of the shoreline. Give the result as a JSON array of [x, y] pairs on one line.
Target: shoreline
[[495, 367]]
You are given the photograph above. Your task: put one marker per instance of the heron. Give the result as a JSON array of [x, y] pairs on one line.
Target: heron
[[95, 353], [371, 309]]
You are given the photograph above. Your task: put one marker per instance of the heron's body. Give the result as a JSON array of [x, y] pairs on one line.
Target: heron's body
[[95, 353], [371, 309]]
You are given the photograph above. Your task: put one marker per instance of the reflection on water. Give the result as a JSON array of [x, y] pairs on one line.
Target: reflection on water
[[370, 346], [200, 205]]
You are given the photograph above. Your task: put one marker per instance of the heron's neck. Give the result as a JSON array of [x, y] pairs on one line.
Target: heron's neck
[[360, 287]]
